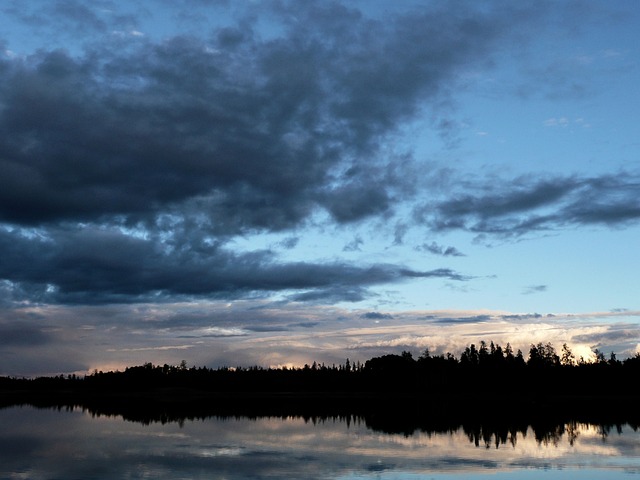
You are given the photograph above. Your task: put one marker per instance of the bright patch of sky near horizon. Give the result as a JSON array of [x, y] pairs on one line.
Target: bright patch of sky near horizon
[[504, 178]]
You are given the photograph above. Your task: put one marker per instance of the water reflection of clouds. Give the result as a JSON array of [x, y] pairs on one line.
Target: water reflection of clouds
[[455, 451], [50, 444], [220, 451]]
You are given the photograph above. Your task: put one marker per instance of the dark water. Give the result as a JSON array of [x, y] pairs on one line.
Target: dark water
[[74, 444]]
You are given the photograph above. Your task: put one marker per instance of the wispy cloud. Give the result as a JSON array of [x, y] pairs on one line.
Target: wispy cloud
[[377, 316], [564, 122], [150, 349], [534, 289]]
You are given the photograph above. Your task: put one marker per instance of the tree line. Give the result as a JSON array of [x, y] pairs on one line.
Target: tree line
[[487, 370]]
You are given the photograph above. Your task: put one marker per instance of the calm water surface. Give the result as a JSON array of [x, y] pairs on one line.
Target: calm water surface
[[48, 444]]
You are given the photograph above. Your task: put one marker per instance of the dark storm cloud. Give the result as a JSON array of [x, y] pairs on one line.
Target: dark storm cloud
[[126, 167], [98, 265], [260, 129], [354, 202], [525, 204]]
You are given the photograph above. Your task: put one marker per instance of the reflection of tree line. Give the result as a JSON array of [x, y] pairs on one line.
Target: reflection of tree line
[[482, 431], [547, 435]]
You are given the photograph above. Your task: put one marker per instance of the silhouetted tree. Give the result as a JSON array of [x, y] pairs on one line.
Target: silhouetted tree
[[508, 352], [568, 359], [483, 353], [613, 360], [519, 360], [600, 358], [470, 356], [542, 355], [497, 356], [407, 355]]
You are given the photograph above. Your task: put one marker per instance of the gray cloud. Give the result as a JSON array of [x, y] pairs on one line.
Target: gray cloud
[[399, 233], [377, 316], [331, 294], [78, 15], [526, 316], [438, 273], [619, 334], [72, 13], [267, 328], [127, 170], [89, 266], [534, 289], [257, 130], [128, 166], [525, 204], [354, 245], [463, 320], [289, 242], [304, 325], [23, 335], [437, 249]]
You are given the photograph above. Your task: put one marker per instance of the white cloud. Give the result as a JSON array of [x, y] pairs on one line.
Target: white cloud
[[127, 33], [563, 122], [557, 122]]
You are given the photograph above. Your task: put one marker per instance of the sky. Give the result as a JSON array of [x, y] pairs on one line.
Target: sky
[[238, 183]]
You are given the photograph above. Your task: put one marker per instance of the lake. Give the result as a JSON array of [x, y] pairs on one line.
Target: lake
[[72, 443]]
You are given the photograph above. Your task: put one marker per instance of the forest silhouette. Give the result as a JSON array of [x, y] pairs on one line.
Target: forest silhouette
[[486, 389], [483, 371]]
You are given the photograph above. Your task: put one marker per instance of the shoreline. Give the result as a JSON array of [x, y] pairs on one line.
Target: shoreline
[[418, 408]]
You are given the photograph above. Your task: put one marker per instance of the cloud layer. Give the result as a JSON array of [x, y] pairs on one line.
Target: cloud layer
[[126, 170], [283, 153], [528, 204]]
